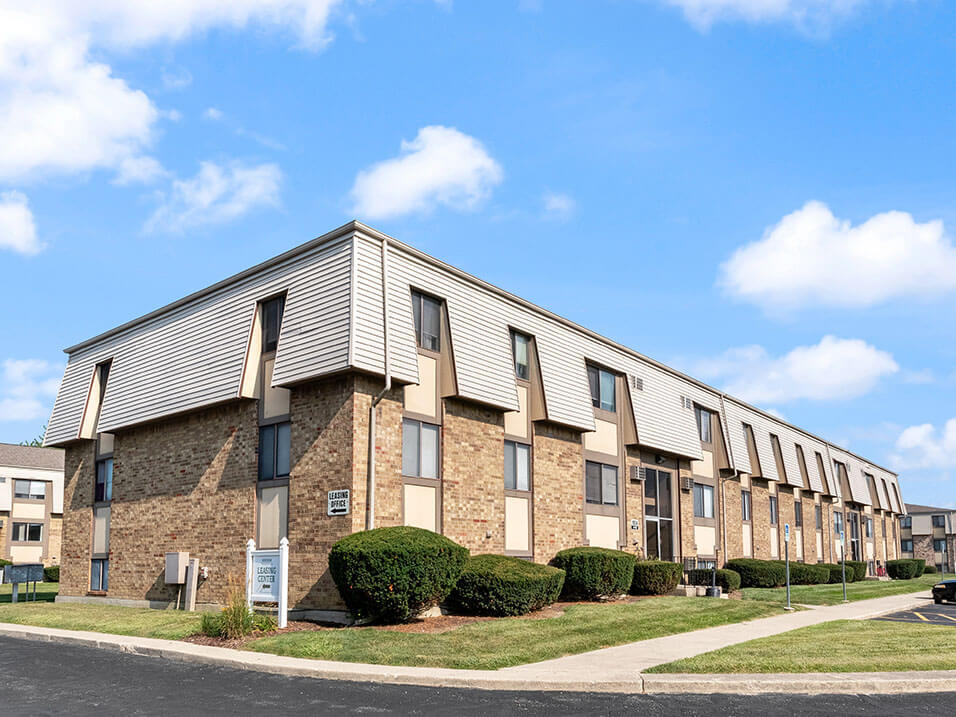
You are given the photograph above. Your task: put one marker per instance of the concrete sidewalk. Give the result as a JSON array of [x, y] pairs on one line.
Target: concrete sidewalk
[[615, 669]]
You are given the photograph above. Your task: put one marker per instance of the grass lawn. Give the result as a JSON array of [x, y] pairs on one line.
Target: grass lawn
[[833, 594], [139, 622], [839, 646], [46, 592], [514, 641]]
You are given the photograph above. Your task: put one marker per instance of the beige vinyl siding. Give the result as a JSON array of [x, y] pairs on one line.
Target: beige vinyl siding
[[859, 493], [192, 356]]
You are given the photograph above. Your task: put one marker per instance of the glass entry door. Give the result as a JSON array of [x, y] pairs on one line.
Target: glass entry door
[[659, 514]]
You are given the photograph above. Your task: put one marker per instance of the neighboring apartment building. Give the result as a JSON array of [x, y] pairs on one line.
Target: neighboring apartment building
[[31, 504], [232, 413], [929, 533]]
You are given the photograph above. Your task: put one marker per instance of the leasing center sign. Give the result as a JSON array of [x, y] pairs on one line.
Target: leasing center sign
[[265, 576]]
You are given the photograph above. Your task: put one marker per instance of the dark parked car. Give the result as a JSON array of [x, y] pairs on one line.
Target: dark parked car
[[945, 590]]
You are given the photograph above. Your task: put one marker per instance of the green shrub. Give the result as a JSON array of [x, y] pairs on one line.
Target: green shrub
[[836, 572], [52, 574], [655, 577], [859, 570], [236, 619], [728, 580], [808, 574], [393, 574], [920, 566], [592, 573], [904, 569], [930, 569], [502, 585], [758, 573]]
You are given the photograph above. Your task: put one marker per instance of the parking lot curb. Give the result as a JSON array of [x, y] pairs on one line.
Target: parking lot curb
[[835, 683]]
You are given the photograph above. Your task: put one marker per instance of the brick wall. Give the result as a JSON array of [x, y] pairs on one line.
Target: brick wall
[[785, 515], [923, 548], [734, 519], [55, 544], [77, 518], [633, 492], [760, 499], [688, 545], [558, 490]]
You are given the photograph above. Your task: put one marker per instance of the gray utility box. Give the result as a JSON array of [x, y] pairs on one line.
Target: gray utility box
[[176, 568]]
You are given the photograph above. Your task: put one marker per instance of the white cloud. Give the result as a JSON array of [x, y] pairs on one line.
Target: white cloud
[[441, 166], [833, 369], [177, 78], [18, 231], [139, 169], [812, 258], [27, 389], [217, 194], [61, 111], [925, 446], [558, 205], [920, 377], [212, 114], [803, 13]]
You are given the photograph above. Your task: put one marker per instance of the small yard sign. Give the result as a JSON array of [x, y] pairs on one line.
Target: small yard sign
[[339, 502], [267, 577], [786, 532]]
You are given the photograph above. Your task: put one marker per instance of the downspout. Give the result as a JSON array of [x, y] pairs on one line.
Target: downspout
[[370, 515], [725, 430]]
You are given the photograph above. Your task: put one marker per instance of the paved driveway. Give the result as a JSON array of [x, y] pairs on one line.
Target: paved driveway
[[43, 678], [929, 614]]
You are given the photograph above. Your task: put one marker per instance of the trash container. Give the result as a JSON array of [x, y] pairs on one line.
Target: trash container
[[713, 592]]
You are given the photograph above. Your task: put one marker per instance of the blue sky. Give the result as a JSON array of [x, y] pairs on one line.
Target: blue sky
[[756, 191]]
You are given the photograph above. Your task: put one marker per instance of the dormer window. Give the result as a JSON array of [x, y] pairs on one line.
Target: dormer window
[[519, 347], [271, 321], [602, 385], [704, 425], [427, 313]]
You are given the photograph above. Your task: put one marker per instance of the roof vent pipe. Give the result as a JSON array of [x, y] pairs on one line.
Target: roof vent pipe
[[370, 502]]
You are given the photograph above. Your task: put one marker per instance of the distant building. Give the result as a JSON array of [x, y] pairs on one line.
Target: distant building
[[929, 533], [31, 504]]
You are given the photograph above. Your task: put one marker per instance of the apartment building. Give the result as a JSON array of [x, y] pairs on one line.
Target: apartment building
[[357, 363], [31, 504], [930, 534]]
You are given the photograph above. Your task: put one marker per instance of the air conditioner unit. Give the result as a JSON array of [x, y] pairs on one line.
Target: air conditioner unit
[[687, 484], [638, 473]]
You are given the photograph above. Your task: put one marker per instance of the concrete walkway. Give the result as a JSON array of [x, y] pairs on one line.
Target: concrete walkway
[[614, 669]]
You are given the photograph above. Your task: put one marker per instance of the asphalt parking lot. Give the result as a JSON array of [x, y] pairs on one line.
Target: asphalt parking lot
[[929, 614]]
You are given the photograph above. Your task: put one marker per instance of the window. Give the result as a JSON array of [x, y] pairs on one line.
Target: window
[[602, 388], [704, 424], [906, 546], [99, 575], [517, 466], [746, 505], [869, 527], [419, 449], [706, 564], [30, 489], [773, 510], [600, 483], [939, 545], [519, 346], [837, 523], [427, 312], [939, 521], [798, 514], [274, 450], [27, 532], [271, 321], [906, 522], [658, 514], [103, 490], [818, 511], [703, 501]]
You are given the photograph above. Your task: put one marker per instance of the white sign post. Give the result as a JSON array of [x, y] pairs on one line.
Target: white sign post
[[267, 577]]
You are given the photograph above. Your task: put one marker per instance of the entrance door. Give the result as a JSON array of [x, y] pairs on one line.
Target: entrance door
[[659, 514], [854, 519]]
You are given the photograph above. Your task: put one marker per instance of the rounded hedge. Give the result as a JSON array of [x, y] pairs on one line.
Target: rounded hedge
[[903, 569], [836, 572], [655, 577], [859, 570], [393, 574], [758, 573], [920, 566], [728, 580], [51, 574], [808, 574], [503, 585], [593, 573], [930, 569]]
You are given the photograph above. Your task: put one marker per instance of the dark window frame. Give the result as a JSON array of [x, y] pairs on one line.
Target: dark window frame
[[28, 495], [774, 510], [277, 431], [818, 515], [514, 445], [601, 467], [936, 545], [700, 504], [420, 303], [798, 514], [906, 522], [99, 581], [26, 528], [106, 494], [939, 521], [272, 312], [903, 547], [746, 506], [522, 370], [597, 387], [437, 432]]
